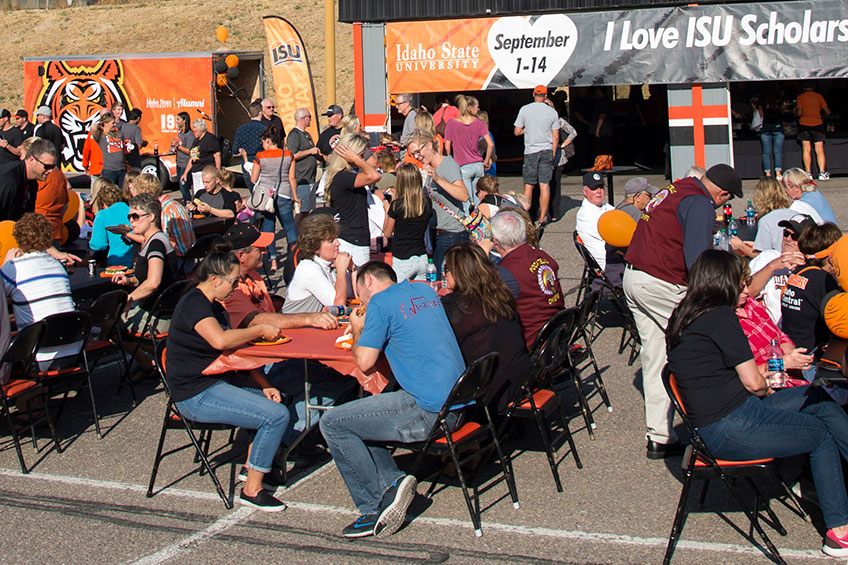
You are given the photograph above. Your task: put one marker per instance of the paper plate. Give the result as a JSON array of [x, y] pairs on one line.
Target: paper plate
[[280, 340]]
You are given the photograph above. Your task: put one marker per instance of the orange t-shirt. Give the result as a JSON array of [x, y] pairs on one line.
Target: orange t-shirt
[[811, 105], [52, 199], [251, 295]]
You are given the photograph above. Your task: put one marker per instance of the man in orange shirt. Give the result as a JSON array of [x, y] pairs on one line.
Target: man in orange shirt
[[809, 107]]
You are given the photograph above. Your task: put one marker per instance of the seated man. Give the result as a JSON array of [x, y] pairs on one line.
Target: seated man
[[250, 304], [531, 274], [593, 205], [399, 314], [637, 193], [213, 199]]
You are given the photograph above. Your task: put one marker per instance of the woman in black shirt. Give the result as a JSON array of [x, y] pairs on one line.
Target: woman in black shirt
[[482, 313], [199, 333], [408, 216], [727, 398]]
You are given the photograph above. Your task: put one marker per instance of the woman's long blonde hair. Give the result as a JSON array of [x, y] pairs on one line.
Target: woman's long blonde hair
[[424, 120], [408, 190], [799, 178], [464, 104], [351, 124], [770, 195], [336, 164]]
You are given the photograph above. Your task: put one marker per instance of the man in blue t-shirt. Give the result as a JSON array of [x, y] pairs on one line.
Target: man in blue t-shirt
[[408, 323]]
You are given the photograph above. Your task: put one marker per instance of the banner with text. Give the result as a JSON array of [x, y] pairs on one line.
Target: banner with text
[[292, 76], [711, 43]]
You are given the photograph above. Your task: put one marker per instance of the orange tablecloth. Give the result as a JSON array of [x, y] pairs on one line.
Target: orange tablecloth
[[306, 343]]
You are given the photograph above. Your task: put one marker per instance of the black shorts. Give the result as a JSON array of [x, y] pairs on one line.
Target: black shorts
[[811, 133]]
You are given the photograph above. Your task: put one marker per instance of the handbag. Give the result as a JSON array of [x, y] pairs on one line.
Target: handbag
[[475, 222], [602, 163], [262, 199], [569, 151]]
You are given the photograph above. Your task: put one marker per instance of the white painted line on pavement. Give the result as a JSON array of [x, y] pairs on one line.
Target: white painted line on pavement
[[577, 535]]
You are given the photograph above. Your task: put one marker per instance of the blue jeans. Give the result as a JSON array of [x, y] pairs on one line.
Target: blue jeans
[[444, 241], [790, 422], [116, 177], [267, 221], [185, 187], [471, 173], [368, 468], [285, 211], [223, 403], [772, 141]]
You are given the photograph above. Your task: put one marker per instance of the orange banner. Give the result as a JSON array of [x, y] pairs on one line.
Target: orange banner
[[292, 75], [76, 91]]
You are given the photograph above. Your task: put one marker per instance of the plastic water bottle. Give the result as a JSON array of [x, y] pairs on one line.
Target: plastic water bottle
[[751, 215], [732, 227], [431, 274], [717, 240], [723, 241], [775, 365]]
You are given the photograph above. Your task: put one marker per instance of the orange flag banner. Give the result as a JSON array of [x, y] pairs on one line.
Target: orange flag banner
[[293, 85]]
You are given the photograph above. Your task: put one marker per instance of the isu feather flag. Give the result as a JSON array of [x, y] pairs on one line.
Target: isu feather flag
[[292, 76]]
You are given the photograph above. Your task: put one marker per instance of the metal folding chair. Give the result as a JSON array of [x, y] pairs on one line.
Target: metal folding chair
[[106, 317]]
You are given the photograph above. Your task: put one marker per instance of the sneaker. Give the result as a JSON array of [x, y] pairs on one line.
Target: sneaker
[[270, 481], [834, 546], [392, 510], [824, 175], [779, 176], [262, 501], [362, 527]]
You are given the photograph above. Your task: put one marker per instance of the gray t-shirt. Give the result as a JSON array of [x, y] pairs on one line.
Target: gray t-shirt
[[538, 120], [304, 169], [448, 170], [408, 127], [769, 234], [186, 141], [631, 210], [112, 148]]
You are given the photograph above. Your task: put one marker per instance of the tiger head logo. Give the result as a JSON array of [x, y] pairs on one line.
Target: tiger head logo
[[76, 95]]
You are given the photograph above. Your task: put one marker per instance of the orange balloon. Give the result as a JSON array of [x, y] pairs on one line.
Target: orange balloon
[[221, 80], [221, 33], [232, 61], [616, 228], [7, 240], [839, 261], [73, 207]]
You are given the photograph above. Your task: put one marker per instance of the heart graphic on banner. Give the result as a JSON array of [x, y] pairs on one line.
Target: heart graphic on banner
[[532, 53]]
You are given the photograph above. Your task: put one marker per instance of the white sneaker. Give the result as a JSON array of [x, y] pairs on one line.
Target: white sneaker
[[779, 176], [824, 175]]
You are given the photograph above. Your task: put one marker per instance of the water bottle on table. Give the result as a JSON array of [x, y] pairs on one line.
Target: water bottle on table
[[775, 366], [750, 215], [732, 227], [431, 274]]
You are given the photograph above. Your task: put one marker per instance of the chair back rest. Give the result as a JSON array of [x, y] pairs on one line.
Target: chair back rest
[[472, 383], [106, 311], [547, 359], [24, 346], [673, 391], [201, 247], [167, 300], [67, 328], [159, 353], [565, 317], [587, 307]]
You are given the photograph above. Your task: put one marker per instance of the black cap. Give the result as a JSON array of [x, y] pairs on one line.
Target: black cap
[[332, 110], [797, 223], [22, 114], [243, 236], [4, 113], [593, 179], [725, 177]]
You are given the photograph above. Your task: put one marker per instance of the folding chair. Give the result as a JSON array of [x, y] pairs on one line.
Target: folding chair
[[699, 463], [106, 317], [163, 307], [65, 329], [23, 387], [536, 399], [588, 275], [582, 353], [477, 438], [196, 253], [174, 420]]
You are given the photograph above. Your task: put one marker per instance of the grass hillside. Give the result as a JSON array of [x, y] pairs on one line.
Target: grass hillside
[[168, 25]]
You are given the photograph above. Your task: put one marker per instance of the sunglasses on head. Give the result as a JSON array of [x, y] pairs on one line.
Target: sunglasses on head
[[790, 233]]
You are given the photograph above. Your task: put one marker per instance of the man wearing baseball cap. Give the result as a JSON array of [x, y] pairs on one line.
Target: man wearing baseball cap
[[637, 193], [591, 209], [11, 138], [539, 124], [330, 136], [27, 127], [670, 236]]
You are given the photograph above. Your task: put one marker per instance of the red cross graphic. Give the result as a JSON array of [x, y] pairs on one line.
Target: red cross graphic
[[697, 112]]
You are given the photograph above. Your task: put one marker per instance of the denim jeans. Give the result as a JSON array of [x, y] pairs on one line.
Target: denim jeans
[[444, 241], [285, 212], [185, 187], [471, 173], [223, 403], [368, 468], [772, 141], [116, 177], [266, 222], [790, 422]]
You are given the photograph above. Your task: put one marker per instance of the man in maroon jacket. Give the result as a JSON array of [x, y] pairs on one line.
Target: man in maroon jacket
[[675, 227]]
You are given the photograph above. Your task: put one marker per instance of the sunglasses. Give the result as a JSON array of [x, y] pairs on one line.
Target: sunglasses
[[792, 234], [136, 217], [45, 165], [746, 282]]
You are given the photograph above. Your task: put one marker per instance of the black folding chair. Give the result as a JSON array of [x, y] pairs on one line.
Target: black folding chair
[[106, 319], [471, 441], [537, 400], [174, 420], [163, 308], [22, 386], [700, 464], [582, 352], [196, 253]]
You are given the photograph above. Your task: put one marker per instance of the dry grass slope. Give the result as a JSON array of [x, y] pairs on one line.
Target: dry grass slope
[[168, 25]]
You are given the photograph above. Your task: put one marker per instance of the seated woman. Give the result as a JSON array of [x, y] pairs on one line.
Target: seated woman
[[198, 335], [213, 199], [488, 192], [801, 188], [408, 217], [726, 397], [482, 313], [320, 279], [773, 205], [37, 284], [154, 266], [110, 211]]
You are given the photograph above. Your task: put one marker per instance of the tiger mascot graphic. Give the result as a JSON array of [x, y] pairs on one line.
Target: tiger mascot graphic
[[76, 94]]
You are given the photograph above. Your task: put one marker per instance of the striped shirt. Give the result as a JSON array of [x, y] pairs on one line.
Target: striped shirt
[[176, 222]]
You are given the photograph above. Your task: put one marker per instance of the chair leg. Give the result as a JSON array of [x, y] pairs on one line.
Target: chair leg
[[15, 437], [546, 440], [474, 512], [50, 424], [94, 407], [568, 437], [158, 458], [752, 517], [31, 419], [506, 464], [775, 522], [601, 388], [677, 525], [584, 404], [790, 494]]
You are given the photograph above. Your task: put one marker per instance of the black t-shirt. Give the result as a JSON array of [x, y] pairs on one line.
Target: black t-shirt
[[202, 153], [408, 239], [52, 133], [15, 137], [704, 365], [158, 247], [800, 306], [223, 199], [351, 204], [188, 353], [28, 130], [276, 122], [17, 193], [477, 337], [328, 139]]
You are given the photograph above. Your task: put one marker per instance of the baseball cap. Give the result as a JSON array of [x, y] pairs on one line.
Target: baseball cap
[[797, 223], [245, 235], [332, 110], [593, 179], [725, 177], [4, 113], [22, 114], [44, 111], [540, 89], [639, 184]]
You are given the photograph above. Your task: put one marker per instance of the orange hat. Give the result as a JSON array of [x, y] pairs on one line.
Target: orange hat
[[541, 90]]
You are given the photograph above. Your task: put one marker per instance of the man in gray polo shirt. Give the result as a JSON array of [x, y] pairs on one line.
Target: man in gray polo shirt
[[539, 124]]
